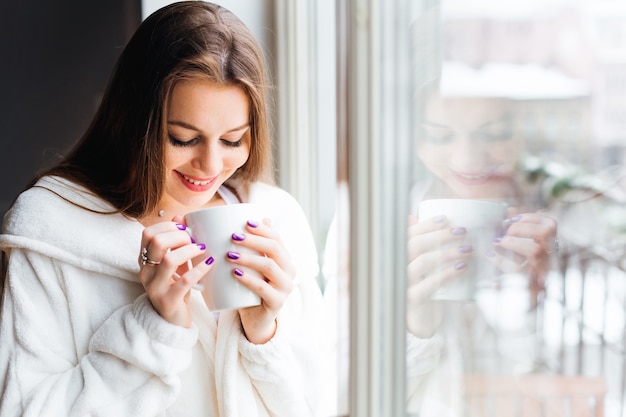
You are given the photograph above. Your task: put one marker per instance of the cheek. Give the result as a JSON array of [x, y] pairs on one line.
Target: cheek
[[433, 155], [505, 152], [169, 159], [238, 157], [174, 158]]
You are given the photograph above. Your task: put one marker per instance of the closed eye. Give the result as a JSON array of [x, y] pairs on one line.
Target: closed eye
[[435, 133], [182, 143], [500, 130], [232, 144]]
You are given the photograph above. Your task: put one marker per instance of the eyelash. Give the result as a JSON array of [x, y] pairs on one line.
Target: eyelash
[[183, 144], [180, 143], [235, 144]]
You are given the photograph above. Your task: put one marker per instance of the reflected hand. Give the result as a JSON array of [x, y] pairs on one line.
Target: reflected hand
[[437, 254], [528, 242]]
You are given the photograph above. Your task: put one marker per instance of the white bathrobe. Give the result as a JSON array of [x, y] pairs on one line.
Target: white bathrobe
[[79, 337]]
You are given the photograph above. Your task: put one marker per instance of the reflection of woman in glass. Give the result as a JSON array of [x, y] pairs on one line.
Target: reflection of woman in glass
[[470, 149], [469, 144]]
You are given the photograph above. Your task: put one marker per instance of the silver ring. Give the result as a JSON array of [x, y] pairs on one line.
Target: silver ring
[[555, 246], [145, 260]]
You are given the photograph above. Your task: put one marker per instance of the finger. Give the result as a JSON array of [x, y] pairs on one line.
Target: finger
[[178, 219], [263, 228], [435, 239], [536, 231], [267, 267], [523, 246], [270, 275], [150, 232], [172, 261], [432, 261], [172, 305], [273, 296], [266, 241], [424, 289], [536, 226], [258, 284], [429, 224], [532, 225], [191, 279], [180, 257], [416, 230], [510, 263], [158, 238]]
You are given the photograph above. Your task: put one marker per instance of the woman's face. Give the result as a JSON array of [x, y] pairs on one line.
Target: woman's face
[[470, 145], [208, 140]]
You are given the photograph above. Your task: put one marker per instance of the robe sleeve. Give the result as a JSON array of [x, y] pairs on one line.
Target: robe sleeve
[[130, 366]]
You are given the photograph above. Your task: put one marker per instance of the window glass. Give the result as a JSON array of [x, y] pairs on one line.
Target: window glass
[[516, 277]]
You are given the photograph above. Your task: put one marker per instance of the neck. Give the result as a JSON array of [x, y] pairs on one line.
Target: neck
[[167, 211]]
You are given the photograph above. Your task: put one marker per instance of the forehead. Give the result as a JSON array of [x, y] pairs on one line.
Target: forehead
[[466, 111], [208, 105]]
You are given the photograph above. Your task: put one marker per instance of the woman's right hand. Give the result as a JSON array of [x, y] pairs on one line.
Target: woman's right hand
[[437, 255], [166, 271]]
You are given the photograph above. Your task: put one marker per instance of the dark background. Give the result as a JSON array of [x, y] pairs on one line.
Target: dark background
[[55, 60]]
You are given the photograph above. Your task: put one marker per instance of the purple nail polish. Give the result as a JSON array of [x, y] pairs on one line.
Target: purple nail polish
[[514, 219], [192, 239], [459, 266], [202, 246], [210, 260], [465, 248], [252, 223], [238, 272], [181, 226], [238, 236], [458, 231], [233, 255], [497, 239]]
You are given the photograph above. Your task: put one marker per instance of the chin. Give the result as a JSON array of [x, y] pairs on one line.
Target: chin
[[480, 193]]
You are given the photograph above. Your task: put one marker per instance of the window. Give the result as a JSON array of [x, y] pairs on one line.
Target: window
[[516, 103]]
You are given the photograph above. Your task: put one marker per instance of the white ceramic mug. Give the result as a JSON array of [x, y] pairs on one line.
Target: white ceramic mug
[[214, 227], [483, 221]]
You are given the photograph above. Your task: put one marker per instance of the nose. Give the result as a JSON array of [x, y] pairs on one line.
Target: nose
[[470, 155], [209, 159]]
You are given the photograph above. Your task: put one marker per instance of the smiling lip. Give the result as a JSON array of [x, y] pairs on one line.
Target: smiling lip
[[474, 178], [195, 183]]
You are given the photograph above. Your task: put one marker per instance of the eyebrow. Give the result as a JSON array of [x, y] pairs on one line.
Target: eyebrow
[[434, 124], [192, 127]]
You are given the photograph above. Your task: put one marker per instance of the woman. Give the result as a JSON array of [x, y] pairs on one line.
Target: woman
[[87, 329]]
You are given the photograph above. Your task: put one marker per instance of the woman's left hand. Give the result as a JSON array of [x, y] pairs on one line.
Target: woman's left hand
[[276, 283], [528, 243]]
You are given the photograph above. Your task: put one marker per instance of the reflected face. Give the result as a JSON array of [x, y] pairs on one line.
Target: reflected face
[[208, 140], [470, 144]]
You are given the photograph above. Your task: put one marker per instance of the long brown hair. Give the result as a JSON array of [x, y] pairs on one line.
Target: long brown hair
[[121, 155]]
